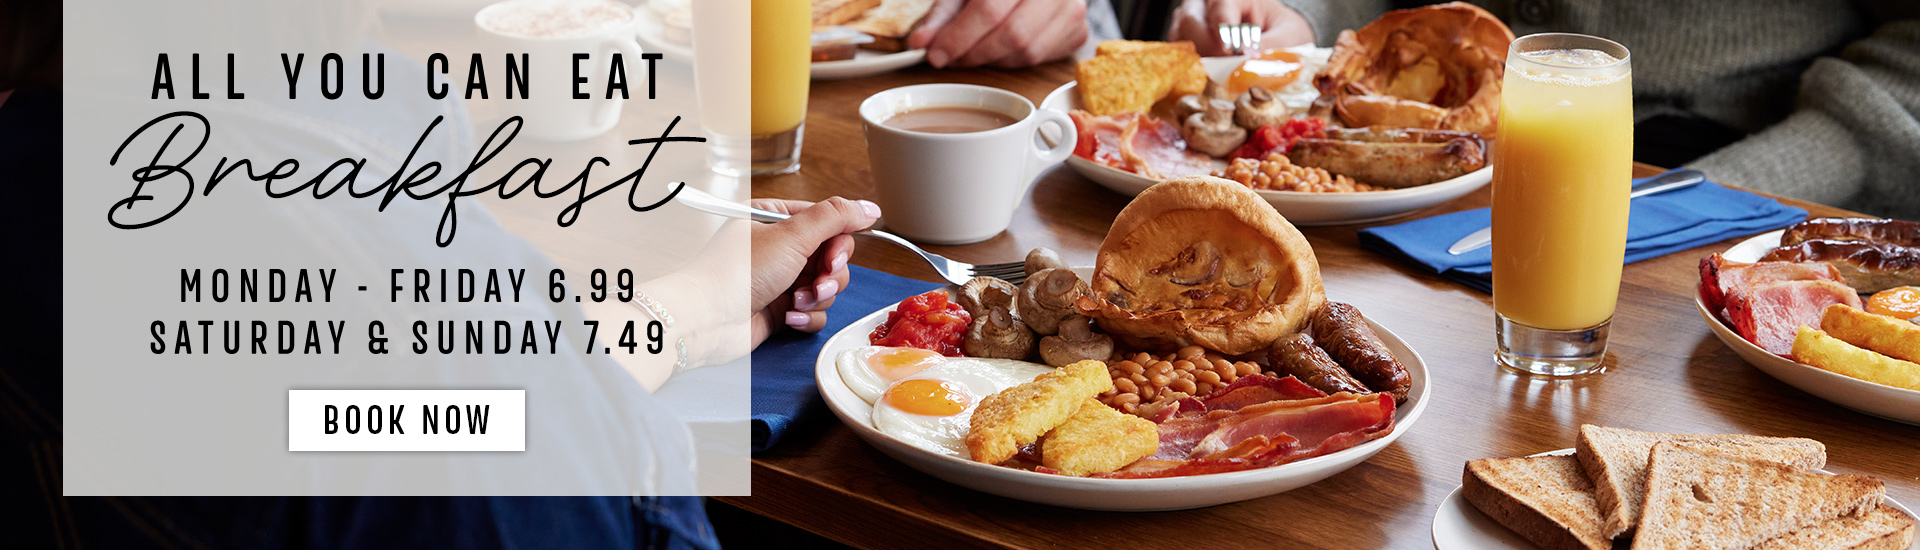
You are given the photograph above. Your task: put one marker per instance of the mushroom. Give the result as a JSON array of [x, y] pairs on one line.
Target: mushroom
[[1258, 107], [1217, 90], [1212, 130], [1047, 298], [1043, 258], [998, 335], [1188, 105], [1076, 342], [982, 293], [1195, 103]]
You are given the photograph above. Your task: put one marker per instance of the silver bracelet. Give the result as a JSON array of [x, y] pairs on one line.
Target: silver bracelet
[[659, 313]]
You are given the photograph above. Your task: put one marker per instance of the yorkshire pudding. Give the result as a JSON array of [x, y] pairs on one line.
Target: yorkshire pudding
[[1434, 67], [1202, 261]]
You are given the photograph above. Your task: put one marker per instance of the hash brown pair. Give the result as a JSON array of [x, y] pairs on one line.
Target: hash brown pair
[[1130, 76]]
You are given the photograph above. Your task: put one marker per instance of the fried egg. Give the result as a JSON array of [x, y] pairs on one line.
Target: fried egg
[[924, 399], [869, 370], [1299, 94]]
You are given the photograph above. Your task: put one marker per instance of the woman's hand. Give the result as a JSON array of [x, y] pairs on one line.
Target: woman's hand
[[1001, 33], [1199, 21], [800, 264]]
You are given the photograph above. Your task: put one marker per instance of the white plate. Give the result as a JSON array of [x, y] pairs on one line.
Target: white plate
[[1176, 493], [1457, 525], [1300, 208], [654, 37], [1898, 404], [867, 63]]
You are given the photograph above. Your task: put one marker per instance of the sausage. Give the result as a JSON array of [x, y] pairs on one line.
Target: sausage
[[1868, 267], [1378, 134], [1395, 164], [1895, 232], [1297, 356], [1343, 332]]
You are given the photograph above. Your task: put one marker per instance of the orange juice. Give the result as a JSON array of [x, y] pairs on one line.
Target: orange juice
[[1561, 164], [782, 48]]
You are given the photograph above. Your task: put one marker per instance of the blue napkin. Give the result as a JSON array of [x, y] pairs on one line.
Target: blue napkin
[[783, 387], [1657, 225]]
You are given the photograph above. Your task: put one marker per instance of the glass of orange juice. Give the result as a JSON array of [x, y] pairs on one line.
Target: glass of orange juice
[[753, 89], [1561, 176]]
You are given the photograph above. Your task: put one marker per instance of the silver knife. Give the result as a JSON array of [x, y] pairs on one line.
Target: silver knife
[[1678, 179]]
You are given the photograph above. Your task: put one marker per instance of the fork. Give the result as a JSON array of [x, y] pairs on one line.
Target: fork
[[1239, 38], [953, 271]]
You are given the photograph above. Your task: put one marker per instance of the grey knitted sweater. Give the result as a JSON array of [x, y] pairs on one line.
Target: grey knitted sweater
[[1829, 89]]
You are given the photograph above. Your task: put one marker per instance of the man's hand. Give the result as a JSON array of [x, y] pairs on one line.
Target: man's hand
[[1001, 33], [1199, 21]]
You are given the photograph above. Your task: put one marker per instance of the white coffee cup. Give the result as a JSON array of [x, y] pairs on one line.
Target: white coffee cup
[[956, 188], [550, 112]]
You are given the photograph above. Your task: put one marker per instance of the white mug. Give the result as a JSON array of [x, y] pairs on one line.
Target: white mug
[[550, 112], [956, 188]]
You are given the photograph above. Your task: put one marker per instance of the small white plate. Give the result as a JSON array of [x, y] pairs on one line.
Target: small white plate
[[867, 63], [653, 36], [1134, 495], [1897, 404], [1300, 208], [1457, 525]]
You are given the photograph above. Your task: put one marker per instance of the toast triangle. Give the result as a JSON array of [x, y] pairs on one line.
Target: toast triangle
[[1882, 528], [1698, 497], [1616, 460], [1545, 499]]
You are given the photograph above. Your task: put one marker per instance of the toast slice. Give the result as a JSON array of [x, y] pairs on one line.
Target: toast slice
[[835, 12], [1616, 460], [1882, 528], [893, 19], [1700, 497], [1545, 499]]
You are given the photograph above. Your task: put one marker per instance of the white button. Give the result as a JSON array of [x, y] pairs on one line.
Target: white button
[[406, 420]]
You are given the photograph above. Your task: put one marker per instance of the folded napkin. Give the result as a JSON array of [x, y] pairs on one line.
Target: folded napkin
[[783, 387], [1657, 225]]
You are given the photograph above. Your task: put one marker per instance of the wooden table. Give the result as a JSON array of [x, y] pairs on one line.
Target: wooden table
[[1666, 372]]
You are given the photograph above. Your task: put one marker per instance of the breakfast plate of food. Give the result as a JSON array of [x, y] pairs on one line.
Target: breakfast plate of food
[[1177, 372], [1396, 117], [1826, 306], [1657, 491], [856, 38]]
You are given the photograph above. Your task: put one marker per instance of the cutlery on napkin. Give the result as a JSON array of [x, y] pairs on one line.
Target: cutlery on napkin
[[1670, 181], [1656, 225]]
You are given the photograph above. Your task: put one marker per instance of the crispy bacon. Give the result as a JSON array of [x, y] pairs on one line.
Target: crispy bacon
[[1099, 138], [1321, 425], [1254, 389], [1137, 143], [1312, 422], [1263, 435]]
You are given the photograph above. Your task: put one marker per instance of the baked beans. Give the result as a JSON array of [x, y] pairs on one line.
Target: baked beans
[[1144, 382], [1276, 173]]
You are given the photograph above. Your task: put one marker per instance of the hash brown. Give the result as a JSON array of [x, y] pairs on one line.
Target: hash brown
[[1019, 415], [1130, 76], [1098, 439]]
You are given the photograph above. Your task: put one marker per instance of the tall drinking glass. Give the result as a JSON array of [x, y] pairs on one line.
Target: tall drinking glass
[[1560, 184], [766, 138]]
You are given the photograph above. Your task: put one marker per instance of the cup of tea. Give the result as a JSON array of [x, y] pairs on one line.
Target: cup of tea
[[951, 162], [550, 32]]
